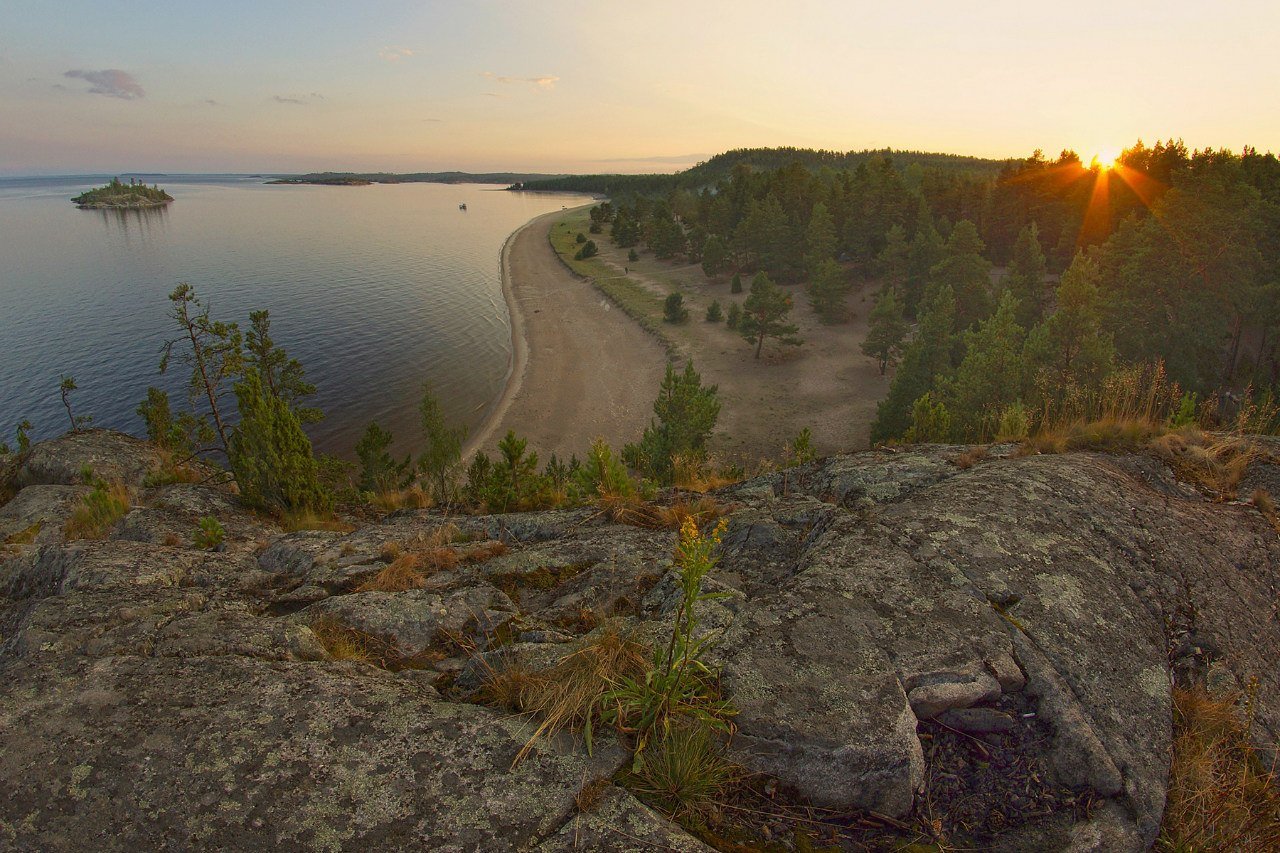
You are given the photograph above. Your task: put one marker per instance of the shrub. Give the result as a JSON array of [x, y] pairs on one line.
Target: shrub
[[930, 421], [1014, 423], [802, 447], [589, 250], [673, 310], [596, 228], [632, 256], [271, 456], [380, 471], [209, 534], [581, 238], [714, 314], [735, 286]]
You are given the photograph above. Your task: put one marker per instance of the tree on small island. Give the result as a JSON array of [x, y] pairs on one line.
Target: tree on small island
[[118, 194]]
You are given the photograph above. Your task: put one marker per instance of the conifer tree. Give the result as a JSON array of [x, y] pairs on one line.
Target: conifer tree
[[281, 375], [967, 273], [715, 256], [686, 413], [927, 249], [926, 358], [270, 455], [820, 240], [1025, 278], [991, 375], [887, 331], [894, 260], [1069, 348], [215, 356], [443, 451], [827, 291], [379, 470], [764, 315]]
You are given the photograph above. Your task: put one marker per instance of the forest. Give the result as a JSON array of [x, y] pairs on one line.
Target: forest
[[1011, 300]]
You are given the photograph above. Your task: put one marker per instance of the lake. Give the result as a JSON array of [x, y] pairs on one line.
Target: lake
[[376, 290]]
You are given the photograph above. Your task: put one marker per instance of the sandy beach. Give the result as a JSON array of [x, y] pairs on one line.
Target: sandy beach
[[593, 372]]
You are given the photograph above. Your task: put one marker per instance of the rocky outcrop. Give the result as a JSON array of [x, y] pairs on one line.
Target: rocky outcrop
[[156, 696]]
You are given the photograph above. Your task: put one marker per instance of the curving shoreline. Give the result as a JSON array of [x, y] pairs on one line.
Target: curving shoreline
[[580, 368]]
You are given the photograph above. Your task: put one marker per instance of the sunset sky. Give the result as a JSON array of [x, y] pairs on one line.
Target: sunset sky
[[243, 86]]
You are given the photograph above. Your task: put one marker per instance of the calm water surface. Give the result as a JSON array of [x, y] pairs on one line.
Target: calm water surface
[[375, 289]]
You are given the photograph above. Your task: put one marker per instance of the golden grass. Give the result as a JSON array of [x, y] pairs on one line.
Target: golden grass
[[1215, 463], [98, 511], [308, 519], [1261, 499], [693, 473], [702, 511], [402, 574], [567, 694], [970, 457], [1221, 796], [1110, 434], [26, 536], [342, 642], [414, 497]]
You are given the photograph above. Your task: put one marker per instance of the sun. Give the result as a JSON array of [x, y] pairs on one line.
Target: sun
[[1105, 159]]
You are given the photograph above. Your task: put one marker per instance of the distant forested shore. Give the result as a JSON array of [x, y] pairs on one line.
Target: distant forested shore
[[366, 178]]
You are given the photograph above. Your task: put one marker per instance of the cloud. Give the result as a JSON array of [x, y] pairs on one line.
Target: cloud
[[495, 95], [671, 158], [545, 82], [394, 54], [298, 100], [211, 102], [111, 82]]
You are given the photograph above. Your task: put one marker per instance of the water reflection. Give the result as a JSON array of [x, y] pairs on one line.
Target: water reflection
[[128, 221]]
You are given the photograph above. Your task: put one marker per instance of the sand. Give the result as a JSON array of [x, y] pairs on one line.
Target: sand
[[581, 369]]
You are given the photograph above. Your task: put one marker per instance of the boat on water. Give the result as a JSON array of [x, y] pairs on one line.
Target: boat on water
[[462, 206]]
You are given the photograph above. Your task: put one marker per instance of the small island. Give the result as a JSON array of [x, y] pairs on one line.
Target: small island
[[121, 195]]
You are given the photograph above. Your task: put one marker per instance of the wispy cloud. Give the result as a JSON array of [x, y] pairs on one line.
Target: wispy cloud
[[111, 82], [298, 100], [545, 82], [210, 102], [394, 54], [494, 95], [669, 158]]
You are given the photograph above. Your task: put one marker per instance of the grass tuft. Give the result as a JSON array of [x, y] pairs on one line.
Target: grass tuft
[[1221, 796], [683, 774], [402, 574], [414, 497], [98, 511], [703, 510], [309, 519], [26, 536]]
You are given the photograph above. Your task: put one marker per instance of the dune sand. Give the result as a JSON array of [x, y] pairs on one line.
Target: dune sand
[[593, 371]]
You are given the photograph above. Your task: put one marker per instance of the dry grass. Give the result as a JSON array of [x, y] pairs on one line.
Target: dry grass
[[970, 457], [24, 537], [567, 695], [307, 519], [414, 497], [628, 509], [343, 642], [173, 540], [1109, 435], [98, 511], [1262, 500], [703, 510], [1220, 796], [402, 574], [1215, 463], [590, 794], [693, 473]]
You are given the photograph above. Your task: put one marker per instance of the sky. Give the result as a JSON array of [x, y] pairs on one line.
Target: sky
[[603, 86]]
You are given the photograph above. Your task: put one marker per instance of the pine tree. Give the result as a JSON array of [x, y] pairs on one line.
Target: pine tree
[[764, 315], [1025, 278], [827, 291], [735, 286], [714, 312], [887, 331], [927, 250], [991, 376], [820, 240], [894, 260], [270, 455], [715, 256], [734, 317], [926, 358], [673, 310], [516, 471], [215, 356], [686, 413], [1069, 349], [281, 375], [379, 470], [967, 273], [443, 451]]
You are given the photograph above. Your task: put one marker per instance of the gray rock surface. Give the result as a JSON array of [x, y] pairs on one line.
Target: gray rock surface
[[156, 696]]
